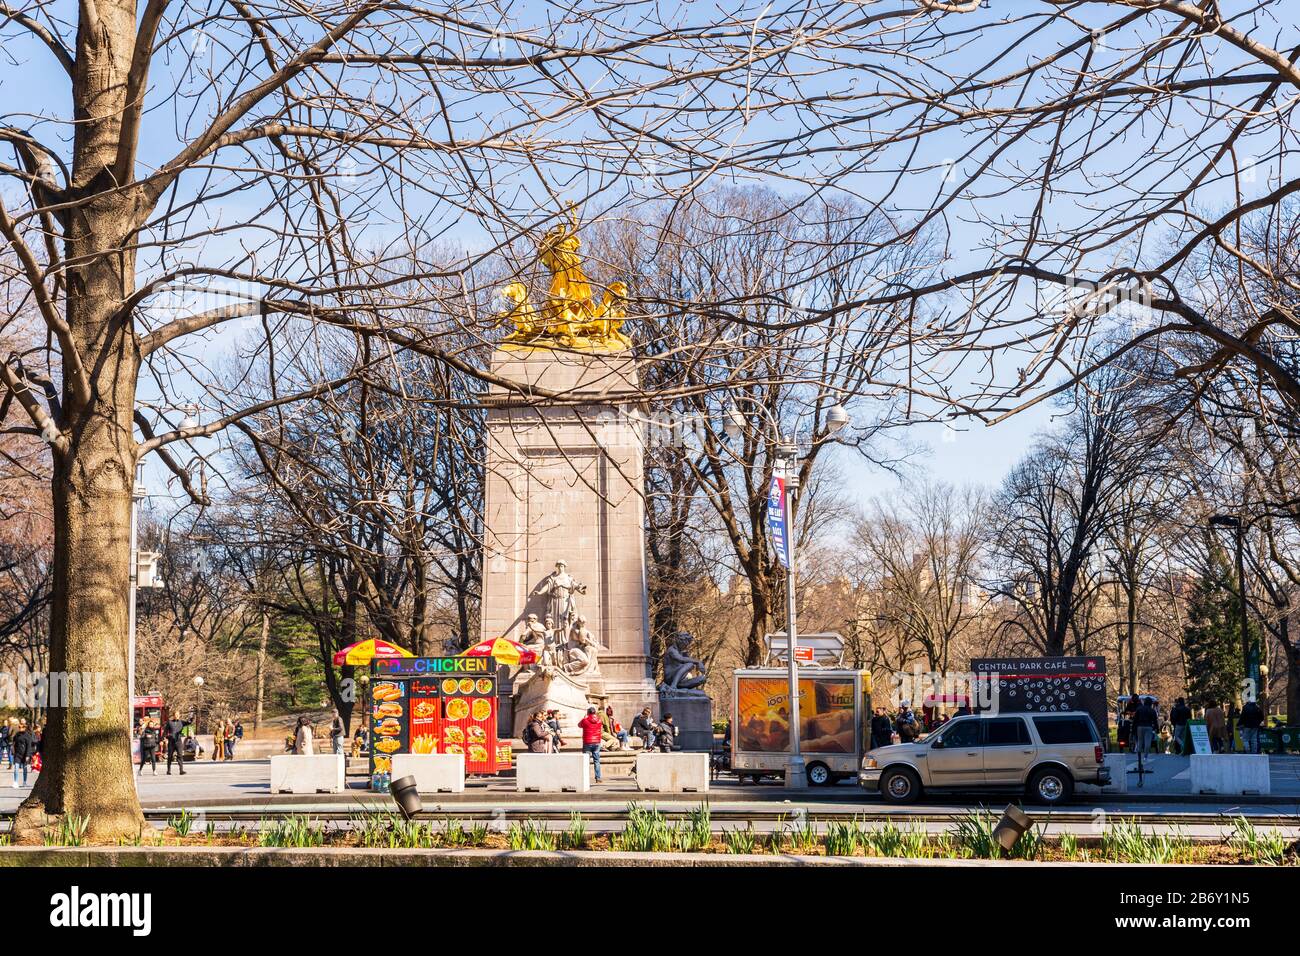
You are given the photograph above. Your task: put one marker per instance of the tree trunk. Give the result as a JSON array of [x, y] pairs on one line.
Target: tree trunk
[[1132, 640], [262, 642], [761, 613], [86, 750]]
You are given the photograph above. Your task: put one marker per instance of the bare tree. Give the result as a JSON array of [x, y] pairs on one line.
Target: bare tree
[[928, 548]]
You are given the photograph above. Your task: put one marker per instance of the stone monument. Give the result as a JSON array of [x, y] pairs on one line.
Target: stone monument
[[564, 551], [680, 694]]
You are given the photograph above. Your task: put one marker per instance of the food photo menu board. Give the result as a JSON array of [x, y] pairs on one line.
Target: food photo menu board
[[425, 705]]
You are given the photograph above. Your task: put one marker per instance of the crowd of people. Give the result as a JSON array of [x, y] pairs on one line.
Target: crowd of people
[[176, 738], [601, 731], [1143, 727], [906, 725]]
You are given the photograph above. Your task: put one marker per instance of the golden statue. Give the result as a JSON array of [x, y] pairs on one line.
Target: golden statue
[[570, 317]]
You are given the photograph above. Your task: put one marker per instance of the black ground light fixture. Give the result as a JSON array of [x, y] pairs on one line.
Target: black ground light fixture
[[406, 795], [1013, 825]]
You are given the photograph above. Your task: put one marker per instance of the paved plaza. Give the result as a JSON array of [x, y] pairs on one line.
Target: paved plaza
[[246, 783]]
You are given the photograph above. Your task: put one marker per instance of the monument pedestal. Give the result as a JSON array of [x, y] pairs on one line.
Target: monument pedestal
[[693, 714], [565, 482], [551, 691]]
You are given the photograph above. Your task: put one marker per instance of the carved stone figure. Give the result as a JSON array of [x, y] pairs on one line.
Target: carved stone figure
[[679, 665], [561, 587], [532, 635], [581, 651], [553, 651]]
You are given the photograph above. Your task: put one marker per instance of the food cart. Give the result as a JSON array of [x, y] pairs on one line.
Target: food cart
[[834, 722], [426, 705]]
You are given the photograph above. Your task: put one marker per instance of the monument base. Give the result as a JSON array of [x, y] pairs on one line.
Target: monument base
[[693, 715], [551, 691]]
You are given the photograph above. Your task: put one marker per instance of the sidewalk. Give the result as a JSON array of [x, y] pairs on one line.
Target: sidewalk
[[246, 783]]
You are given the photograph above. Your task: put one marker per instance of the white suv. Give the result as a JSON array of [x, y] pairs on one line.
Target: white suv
[[1043, 755]]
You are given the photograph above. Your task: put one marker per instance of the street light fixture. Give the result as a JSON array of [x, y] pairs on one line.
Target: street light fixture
[[837, 417], [787, 460]]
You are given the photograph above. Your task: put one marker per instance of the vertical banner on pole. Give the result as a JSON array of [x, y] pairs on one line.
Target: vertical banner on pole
[[778, 524]]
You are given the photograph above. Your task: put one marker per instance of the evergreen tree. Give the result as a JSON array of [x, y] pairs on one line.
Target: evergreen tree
[[1212, 635]]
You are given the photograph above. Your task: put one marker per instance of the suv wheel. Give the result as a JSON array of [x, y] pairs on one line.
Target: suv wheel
[[1051, 786], [900, 785], [819, 775]]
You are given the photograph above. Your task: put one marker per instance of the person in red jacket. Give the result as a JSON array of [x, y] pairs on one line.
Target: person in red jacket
[[591, 730]]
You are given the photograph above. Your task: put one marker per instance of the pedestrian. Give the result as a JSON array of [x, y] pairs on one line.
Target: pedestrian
[[614, 729], [591, 736], [218, 738], [1216, 726], [1251, 719], [881, 729], [337, 733], [359, 741], [174, 734], [234, 731], [666, 734], [906, 725], [148, 746], [643, 727], [1179, 715], [302, 742], [6, 751], [537, 736], [553, 724], [24, 749], [1145, 721]]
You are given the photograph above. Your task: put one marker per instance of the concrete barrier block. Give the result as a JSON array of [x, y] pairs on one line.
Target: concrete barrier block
[[1230, 774], [1118, 766], [553, 773], [433, 773], [672, 773], [304, 773]]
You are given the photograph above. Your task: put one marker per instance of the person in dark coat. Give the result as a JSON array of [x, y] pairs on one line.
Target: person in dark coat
[[24, 748], [148, 747], [666, 734], [1179, 715], [882, 729], [908, 727], [1248, 724], [174, 731]]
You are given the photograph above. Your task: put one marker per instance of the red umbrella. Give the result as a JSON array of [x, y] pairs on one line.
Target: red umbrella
[[504, 650]]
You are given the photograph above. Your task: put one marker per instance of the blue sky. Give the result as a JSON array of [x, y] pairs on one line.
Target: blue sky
[[973, 452]]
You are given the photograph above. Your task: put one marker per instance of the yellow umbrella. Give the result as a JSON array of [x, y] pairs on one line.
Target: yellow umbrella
[[363, 652]]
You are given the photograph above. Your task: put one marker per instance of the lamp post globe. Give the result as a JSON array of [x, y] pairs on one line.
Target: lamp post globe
[[837, 418], [734, 422]]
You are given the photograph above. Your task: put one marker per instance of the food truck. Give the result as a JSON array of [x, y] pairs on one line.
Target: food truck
[[151, 706], [834, 715]]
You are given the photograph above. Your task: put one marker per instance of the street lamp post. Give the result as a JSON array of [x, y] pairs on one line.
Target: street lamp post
[[138, 494], [787, 462], [795, 772]]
